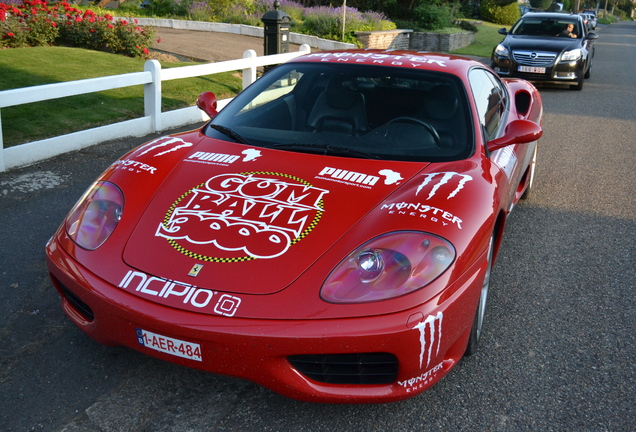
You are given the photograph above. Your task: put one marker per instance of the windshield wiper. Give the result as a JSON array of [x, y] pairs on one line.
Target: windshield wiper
[[325, 149], [229, 133]]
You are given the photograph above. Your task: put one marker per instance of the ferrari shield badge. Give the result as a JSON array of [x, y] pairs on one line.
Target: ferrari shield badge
[[194, 271]]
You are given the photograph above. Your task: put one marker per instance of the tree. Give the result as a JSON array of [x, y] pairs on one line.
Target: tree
[[541, 4]]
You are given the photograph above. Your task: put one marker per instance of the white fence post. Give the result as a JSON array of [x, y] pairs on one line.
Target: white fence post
[[152, 95], [249, 74]]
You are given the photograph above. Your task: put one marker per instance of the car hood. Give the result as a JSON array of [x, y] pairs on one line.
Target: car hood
[[251, 220], [550, 44]]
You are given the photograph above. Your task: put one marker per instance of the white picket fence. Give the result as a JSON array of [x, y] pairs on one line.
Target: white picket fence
[[153, 120]]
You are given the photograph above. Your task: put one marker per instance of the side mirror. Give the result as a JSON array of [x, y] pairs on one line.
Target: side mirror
[[517, 132], [503, 31], [591, 36], [207, 103]]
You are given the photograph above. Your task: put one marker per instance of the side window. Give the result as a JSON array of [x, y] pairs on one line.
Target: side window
[[490, 98]]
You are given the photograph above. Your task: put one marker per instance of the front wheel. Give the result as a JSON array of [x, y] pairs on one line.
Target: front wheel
[[579, 83], [478, 323]]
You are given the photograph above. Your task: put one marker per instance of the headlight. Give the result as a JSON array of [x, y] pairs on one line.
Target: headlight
[[571, 55], [388, 266], [95, 215], [501, 51]]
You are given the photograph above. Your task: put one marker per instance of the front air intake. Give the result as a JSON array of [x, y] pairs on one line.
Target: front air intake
[[366, 368]]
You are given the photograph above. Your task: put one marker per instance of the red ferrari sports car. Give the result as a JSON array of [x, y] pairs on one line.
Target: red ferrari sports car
[[329, 234]]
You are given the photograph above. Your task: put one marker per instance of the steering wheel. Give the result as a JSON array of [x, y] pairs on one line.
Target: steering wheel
[[430, 129]]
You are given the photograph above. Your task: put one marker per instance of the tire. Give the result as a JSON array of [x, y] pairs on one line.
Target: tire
[[589, 72], [533, 166], [478, 322], [579, 84]]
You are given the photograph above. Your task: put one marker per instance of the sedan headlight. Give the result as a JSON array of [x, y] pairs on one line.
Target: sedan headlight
[[571, 55], [388, 266], [95, 216], [501, 51]]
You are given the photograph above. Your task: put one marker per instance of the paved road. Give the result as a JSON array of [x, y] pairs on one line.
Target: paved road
[[559, 347], [208, 46]]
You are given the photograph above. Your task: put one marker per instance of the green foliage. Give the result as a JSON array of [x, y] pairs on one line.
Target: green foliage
[[432, 16], [467, 25], [506, 15], [541, 4], [167, 8], [607, 19]]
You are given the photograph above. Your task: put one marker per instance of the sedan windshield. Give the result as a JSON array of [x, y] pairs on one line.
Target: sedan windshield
[[361, 111], [553, 27]]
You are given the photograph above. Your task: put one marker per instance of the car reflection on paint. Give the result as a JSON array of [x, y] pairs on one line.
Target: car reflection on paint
[[329, 234]]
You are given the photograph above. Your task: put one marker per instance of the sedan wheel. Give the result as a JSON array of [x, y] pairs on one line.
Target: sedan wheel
[[579, 83], [478, 323]]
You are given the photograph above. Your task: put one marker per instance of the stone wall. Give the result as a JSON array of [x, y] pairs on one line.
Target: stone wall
[[442, 42], [385, 39], [420, 41]]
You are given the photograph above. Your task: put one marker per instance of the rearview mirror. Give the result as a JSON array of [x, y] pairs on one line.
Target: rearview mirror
[[207, 103], [517, 132]]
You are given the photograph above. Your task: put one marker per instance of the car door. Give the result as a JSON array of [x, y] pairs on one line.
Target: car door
[[493, 106]]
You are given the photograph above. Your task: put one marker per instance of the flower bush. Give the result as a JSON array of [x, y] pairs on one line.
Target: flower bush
[[35, 23], [321, 21]]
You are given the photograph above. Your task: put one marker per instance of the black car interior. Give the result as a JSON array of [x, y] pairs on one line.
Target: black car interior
[[389, 111]]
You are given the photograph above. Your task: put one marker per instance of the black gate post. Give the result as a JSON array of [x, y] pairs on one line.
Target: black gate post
[[276, 40]]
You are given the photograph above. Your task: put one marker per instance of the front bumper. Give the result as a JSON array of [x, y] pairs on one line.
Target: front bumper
[[557, 72], [348, 360]]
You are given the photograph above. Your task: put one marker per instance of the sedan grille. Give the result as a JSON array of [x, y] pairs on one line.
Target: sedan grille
[[534, 58], [367, 368]]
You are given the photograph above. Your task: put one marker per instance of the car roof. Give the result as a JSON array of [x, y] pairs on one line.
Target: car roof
[[550, 15], [396, 58]]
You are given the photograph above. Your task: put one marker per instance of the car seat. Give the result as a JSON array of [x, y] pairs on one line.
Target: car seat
[[339, 109]]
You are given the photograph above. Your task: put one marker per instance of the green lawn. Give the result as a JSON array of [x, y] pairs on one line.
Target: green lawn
[[25, 67], [486, 39]]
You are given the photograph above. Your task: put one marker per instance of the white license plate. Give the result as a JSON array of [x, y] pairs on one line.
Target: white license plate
[[169, 345], [531, 69]]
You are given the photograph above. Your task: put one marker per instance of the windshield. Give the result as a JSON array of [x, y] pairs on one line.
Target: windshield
[[553, 27], [364, 111]]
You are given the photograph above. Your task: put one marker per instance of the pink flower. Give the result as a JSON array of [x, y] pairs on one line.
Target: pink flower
[[110, 26], [146, 51], [10, 34]]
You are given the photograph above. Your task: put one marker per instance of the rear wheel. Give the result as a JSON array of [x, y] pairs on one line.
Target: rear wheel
[[478, 323]]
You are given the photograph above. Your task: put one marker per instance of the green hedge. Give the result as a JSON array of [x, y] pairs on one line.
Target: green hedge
[[506, 15]]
